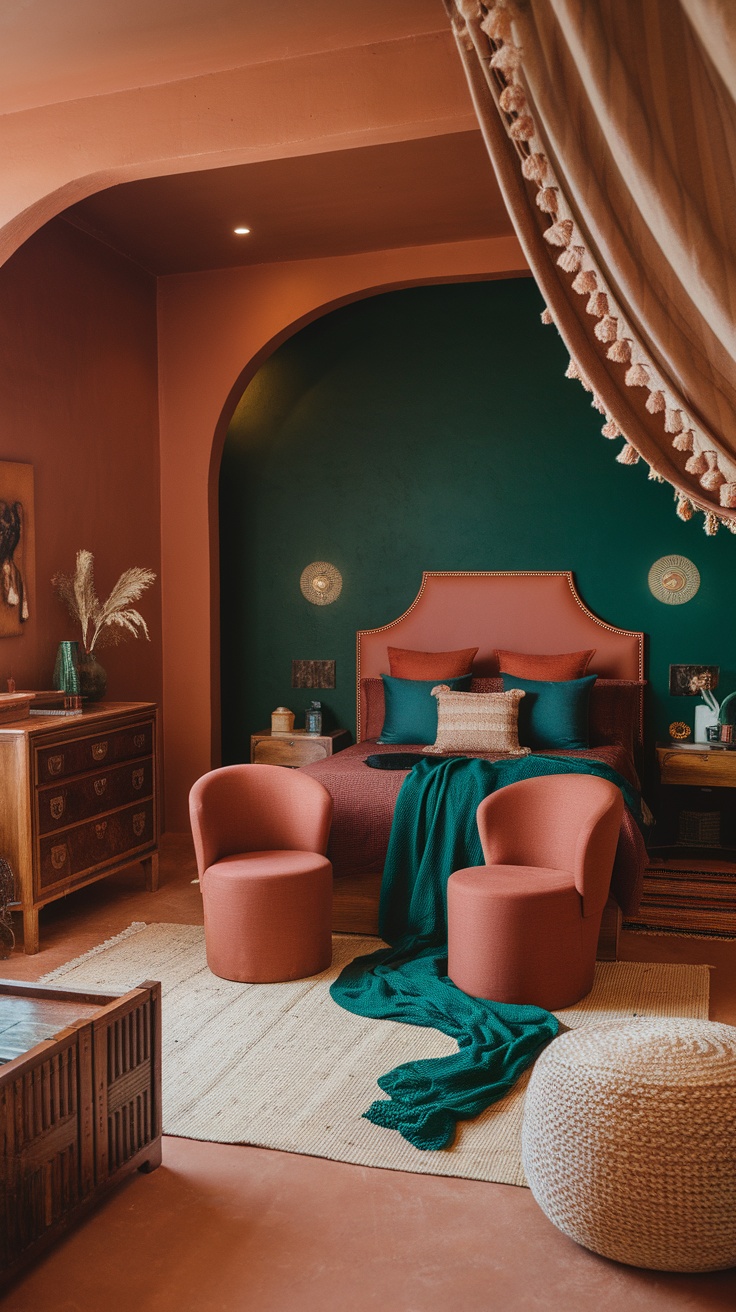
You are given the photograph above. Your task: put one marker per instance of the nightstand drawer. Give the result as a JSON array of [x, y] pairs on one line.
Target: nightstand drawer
[[706, 769], [289, 751]]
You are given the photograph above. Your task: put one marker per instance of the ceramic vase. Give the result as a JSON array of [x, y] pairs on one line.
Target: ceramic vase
[[92, 676]]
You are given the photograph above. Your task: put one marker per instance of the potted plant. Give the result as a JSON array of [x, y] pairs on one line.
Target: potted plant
[[103, 623]]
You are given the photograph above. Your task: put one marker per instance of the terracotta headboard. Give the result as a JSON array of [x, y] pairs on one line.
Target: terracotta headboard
[[535, 611]]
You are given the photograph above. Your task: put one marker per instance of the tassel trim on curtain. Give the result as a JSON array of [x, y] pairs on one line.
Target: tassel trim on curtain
[[504, 56]]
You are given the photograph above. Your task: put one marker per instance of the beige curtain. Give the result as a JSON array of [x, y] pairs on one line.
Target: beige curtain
[[611, 125]]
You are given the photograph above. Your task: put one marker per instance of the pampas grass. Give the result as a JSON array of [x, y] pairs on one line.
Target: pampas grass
[[104, 623]]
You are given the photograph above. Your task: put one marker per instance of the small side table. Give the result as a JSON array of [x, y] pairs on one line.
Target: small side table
[[297, 748], [697, 786]]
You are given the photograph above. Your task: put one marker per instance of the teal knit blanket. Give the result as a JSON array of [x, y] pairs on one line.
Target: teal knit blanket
[[434, 832]]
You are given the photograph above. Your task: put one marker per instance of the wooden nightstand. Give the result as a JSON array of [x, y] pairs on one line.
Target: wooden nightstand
[[297, 748], [697, 798]]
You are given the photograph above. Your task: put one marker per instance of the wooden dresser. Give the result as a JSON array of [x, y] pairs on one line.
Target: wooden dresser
[[79, 801]]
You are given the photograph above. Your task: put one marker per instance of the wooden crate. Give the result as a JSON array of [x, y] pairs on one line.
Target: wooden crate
[[80, 1106]]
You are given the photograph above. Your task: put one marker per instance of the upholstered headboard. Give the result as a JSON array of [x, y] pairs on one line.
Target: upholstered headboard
[[533, 611]]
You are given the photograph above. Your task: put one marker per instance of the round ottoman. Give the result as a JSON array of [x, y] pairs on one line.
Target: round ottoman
[[629, 1142], [268, 916]]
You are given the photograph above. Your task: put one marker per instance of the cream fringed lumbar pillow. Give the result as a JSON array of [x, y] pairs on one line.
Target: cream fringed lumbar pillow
[[477, 722]]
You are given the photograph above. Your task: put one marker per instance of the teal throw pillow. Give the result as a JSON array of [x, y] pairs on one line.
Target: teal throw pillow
[[553, 715], [411, 710]]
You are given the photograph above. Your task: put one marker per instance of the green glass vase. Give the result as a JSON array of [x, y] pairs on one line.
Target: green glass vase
[[66, 669], [92, 676]]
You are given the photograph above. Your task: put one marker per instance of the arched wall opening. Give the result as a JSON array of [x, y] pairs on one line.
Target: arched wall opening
[[430, 427]]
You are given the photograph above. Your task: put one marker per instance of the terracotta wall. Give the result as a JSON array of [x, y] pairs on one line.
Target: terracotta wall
[[78, 401]]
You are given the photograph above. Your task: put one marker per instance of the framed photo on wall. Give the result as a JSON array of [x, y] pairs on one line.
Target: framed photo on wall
[[17, 548]]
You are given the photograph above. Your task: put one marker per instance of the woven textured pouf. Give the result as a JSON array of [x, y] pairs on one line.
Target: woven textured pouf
[[629, 1142]]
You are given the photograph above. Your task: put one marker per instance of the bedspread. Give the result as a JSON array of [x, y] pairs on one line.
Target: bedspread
[[364, 801]]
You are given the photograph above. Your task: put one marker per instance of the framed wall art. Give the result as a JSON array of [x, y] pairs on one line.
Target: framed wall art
[[17, 548]]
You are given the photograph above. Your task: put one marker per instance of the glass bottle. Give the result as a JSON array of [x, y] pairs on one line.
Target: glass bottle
[[313, 718]]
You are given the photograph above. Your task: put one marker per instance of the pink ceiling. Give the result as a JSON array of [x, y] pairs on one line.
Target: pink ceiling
[[55, 50], [435, 189]]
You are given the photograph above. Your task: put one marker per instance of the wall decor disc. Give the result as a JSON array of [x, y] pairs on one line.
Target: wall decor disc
[[321, 583], [674, 580]]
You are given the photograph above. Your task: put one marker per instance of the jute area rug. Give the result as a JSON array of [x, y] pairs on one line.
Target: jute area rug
[[282, 1066]]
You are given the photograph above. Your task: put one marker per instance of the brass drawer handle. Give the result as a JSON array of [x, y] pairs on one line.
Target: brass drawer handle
[[100, 828], [139, 823], [58, 856], [99, 751], [137, 778], [56, 807], [139, 740], [100, 786], [55, 764]]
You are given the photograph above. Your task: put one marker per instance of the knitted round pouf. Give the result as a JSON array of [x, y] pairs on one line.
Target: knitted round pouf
[[629, 1142]]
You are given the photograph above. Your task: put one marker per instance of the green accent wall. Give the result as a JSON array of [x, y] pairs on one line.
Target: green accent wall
[[433, 428]]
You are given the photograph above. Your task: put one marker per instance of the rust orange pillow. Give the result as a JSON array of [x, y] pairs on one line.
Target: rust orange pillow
[[405, 664], [558, 668]]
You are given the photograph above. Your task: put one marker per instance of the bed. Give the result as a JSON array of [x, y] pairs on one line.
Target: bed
[[535, 612]]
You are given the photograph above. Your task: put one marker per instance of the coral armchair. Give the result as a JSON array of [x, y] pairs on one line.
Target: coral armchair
[[260, 836], [524, 927]]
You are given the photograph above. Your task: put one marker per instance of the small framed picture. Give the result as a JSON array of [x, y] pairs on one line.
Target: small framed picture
[[691, 680]]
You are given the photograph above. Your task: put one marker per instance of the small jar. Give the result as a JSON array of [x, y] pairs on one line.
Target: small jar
[[282, 720], [313, 718]]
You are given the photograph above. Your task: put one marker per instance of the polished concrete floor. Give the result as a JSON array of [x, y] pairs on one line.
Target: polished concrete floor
[[220, 1228]]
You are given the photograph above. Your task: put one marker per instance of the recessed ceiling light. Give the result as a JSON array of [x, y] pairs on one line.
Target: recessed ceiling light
[[241, 232]]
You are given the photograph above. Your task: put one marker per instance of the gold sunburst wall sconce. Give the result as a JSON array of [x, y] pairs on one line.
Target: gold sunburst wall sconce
[[321, 583], [674, 580]]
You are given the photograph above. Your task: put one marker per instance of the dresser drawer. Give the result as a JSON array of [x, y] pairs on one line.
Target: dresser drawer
[[77, 755], [289, 751], [59, 805], [73, 851]]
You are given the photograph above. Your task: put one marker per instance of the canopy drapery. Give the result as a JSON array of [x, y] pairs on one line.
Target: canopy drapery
[[611, 125]]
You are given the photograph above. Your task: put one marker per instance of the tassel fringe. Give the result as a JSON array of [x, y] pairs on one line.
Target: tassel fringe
[[728, 498], [620, 351], [522, 129], [573, 369], [585, 282], [497, 24], [611, 429], [637, 376], [606, 330], [683, 441], [711, 524], [512, 99], [684, 507], [712, 478], [547, 200], [560, 234], [673, 421], [535, 168], [598, 405], [597, 304], [655, 402], [571, 260], [506, 60], [545, 316], [697, 464], [654, 476], [627, 455]]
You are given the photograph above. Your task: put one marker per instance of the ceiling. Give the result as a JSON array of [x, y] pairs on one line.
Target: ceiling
[[435, 189], [56, 50]]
